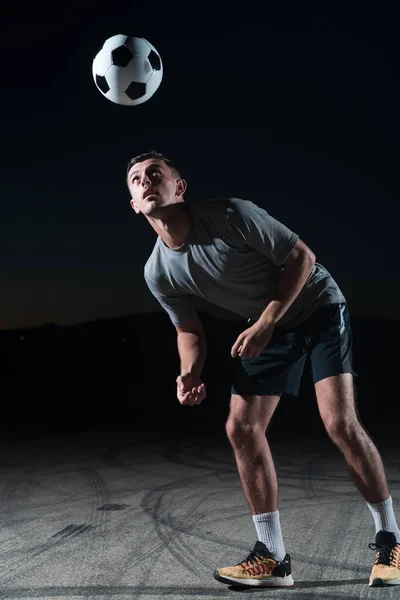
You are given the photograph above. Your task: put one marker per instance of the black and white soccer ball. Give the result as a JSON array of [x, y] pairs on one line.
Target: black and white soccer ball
[[127, 70]]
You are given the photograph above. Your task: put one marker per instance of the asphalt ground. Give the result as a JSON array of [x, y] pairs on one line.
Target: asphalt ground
[[126, 515]]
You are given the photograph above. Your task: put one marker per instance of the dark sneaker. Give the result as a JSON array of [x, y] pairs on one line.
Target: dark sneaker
[[386, 569], [258, 569]]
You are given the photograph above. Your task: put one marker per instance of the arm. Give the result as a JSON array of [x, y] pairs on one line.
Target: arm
[[296, 269], [191, 339], [192, 351], [192, 346]]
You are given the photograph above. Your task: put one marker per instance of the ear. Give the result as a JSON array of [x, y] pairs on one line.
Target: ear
[[181, 186], [135, 206]]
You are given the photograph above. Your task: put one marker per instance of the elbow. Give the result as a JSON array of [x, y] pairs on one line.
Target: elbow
[[310, 262], [312, 258], [300, 257]]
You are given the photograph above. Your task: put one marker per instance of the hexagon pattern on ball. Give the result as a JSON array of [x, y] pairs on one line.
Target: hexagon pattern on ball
[[101, 63], [115, 41], [130, 67]]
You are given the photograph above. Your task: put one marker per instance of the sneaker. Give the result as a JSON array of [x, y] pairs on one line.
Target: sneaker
[[386, 569], [258, 569]]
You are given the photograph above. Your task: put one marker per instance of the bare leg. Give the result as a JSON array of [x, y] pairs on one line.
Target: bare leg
[[246, 426], [337, 407]]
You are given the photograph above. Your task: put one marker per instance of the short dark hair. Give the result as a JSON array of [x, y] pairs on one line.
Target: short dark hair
[[153, 154]]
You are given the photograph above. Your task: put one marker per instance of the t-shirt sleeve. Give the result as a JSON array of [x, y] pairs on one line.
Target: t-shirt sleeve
[[261, 231], [180, 307]]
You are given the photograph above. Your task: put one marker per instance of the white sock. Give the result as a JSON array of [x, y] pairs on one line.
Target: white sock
[[269, 532], [384, 517]]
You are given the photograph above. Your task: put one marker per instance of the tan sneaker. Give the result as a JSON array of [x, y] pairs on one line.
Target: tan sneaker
[[258, 569], [386, 569]]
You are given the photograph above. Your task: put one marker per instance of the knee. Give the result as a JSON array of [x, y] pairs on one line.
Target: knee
[[343, 431], [241, 432]]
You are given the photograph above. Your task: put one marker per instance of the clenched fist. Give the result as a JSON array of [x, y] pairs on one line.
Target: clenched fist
[[190, 389]]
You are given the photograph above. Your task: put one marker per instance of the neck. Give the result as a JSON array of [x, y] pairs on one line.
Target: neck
[[173, 226]]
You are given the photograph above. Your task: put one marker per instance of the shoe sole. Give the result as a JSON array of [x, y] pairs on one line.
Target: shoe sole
[[381, 583], [272, 582]]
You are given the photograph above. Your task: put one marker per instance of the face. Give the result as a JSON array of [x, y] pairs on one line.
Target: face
[[154, 186]]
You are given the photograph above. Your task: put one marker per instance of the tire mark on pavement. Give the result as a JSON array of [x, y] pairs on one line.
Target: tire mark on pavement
[[18, 561]]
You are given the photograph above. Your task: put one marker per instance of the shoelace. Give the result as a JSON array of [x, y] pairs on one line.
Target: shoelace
[[384, 554], [252, 558]]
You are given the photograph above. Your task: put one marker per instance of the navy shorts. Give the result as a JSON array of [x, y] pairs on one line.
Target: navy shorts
[[325, 338]]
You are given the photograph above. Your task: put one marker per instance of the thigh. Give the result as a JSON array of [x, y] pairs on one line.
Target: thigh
[[337, 401], [253, 409]]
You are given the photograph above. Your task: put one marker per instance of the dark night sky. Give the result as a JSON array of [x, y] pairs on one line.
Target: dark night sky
[[296, 111]]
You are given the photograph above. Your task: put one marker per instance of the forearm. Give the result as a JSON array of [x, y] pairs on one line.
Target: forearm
[[290, 284], [192, 350]]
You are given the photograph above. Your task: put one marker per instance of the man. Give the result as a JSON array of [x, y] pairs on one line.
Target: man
[[234, 254]]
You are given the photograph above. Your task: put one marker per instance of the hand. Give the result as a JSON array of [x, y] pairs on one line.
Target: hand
[[251, 341], [190, 389]]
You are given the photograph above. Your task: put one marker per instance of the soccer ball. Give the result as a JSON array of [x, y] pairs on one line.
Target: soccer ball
[[127, 70]]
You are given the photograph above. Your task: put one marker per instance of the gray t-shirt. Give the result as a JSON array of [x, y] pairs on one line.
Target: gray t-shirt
[[233, 258]]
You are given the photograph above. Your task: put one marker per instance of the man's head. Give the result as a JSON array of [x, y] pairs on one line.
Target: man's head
[[154, 183]]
